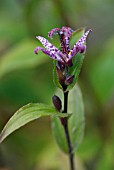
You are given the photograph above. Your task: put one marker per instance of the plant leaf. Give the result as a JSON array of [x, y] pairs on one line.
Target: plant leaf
[[76, 36], [25, 115], [55, 77], [75, 122], [75, 69], [59, 133]]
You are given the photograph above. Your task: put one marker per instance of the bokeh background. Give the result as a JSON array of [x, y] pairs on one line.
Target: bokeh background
[[26, 78]]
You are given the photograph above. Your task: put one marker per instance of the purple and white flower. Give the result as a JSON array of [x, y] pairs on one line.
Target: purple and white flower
[[66, 54]]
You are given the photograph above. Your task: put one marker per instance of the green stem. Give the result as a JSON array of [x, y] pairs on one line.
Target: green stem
[[71, 155]]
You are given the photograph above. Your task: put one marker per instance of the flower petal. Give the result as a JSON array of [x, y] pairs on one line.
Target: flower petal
[[73, 52], [79, 47], [82, 48], [52, 49], [65, 34], [83, 38], [53, 32], [50, 54], [67, 31], [36, 50], [47, 44]]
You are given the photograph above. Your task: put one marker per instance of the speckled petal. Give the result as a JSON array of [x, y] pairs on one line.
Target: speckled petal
[[51, 55], [67, 31], [65, 34], [79, 47], [83, 38], [52, 49], [53, 32], [47, 44]]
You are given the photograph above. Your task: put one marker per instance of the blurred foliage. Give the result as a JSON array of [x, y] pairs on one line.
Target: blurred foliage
[[26, 78]]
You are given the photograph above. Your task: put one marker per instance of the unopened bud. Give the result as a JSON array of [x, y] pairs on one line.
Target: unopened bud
[[69, 80], [63, 121], [60, 66], [60, 75], [57, 102], [70, 64]]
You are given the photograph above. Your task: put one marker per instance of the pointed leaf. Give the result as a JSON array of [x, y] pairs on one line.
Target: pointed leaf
[[76, 36], [59, 133], [25, 115], [55, 78], [75, 69], [75, 122]]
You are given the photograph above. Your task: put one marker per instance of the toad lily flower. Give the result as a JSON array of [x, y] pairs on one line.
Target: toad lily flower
[[66, 54]]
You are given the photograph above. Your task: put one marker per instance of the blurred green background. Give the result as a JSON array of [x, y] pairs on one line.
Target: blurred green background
[[25, 78]]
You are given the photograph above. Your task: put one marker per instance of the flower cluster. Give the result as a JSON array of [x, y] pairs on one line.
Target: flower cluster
[[63, 56], [66, 54]]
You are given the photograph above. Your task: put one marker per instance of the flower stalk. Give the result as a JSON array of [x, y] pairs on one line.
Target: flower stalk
[[71, 155]]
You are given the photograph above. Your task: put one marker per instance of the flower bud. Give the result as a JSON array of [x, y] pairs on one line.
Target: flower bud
[[60, 75], [69, 80], [60, 66], [57, 102], [63, 120], [70, 64]]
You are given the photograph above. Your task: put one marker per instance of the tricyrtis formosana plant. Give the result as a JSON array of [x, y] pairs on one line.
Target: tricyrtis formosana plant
[[68, 112]]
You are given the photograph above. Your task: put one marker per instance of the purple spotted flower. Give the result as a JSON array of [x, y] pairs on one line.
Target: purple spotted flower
[[65, 55]]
